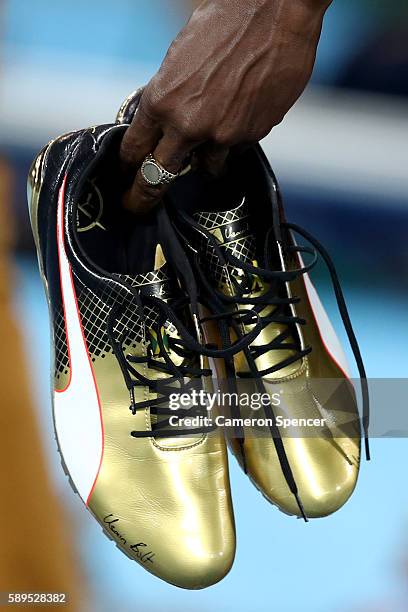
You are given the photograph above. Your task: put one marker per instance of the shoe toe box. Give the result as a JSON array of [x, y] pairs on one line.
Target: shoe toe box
[[325, 472]]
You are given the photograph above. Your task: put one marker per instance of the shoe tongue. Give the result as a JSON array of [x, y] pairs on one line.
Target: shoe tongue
[[161, 282], [233, 231], [231, 228]]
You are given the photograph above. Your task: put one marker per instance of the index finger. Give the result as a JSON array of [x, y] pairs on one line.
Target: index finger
[[170, 154]]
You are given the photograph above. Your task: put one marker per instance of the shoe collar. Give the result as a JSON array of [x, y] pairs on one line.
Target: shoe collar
[[93, 144]]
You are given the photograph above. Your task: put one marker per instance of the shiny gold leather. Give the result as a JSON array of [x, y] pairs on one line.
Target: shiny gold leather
[[166, 502], [325, 466], [173, 501]]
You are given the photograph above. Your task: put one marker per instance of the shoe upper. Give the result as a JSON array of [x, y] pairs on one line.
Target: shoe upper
[[231, 227], [239, 239], [123, 338], [246, 257]]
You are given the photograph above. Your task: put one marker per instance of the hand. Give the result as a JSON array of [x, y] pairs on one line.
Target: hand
[[230, 76]]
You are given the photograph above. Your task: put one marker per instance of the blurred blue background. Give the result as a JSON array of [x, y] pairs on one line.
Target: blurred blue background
[[341, 157]]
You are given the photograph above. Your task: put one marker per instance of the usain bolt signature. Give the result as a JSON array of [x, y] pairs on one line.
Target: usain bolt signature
[[138, 549]]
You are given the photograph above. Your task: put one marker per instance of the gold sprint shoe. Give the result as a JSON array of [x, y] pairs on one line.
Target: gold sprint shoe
[[246, 257], [122, 342]]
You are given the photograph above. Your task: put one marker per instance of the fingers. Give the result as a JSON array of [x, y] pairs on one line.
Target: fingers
[[145, 136], [212, 157], [171, 152], [140, 139]]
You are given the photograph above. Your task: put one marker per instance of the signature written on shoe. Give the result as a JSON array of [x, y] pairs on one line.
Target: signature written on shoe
[[139, 549]]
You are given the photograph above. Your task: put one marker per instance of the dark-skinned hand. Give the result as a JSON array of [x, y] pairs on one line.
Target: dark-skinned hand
[[229, 77]]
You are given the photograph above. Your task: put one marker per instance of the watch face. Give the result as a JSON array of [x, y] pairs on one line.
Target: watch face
[[152, 172]]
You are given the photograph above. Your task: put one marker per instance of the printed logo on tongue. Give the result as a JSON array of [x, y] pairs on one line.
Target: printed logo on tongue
[[233, 231], [231, 228], [156, 283], [160, 282]]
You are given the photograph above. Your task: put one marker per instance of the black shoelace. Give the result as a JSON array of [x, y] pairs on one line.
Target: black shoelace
[[179, 378], [345, 317], [277, 314]]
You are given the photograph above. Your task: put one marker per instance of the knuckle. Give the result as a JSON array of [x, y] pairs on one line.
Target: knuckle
[[160, 107], [226, 136], [129, 148], [259, 130], [260, 133], [278, 118], [152, 100], [159, 100], [189, 127]]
